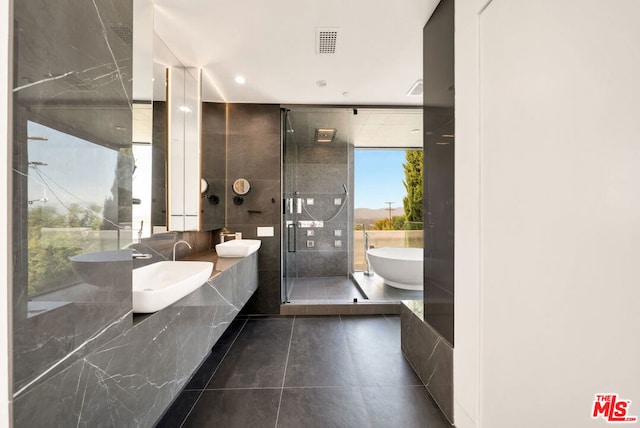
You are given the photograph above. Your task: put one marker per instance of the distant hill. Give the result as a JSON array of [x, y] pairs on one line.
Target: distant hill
[[369, 216]]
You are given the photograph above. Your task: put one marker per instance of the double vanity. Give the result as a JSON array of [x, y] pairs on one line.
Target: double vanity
[[161, 284], [143, 361]]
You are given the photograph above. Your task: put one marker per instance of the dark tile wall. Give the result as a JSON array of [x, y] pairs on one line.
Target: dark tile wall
[[213, 164], [72, 193], [439, 144], [159, 165], [254, 153]]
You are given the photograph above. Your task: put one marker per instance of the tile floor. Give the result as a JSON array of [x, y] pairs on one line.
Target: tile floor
[[306, 372], [343, 289], [324, 289]]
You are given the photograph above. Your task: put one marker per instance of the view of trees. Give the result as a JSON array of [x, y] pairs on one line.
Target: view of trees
[[49, 254], [413, 210], [413, 183]]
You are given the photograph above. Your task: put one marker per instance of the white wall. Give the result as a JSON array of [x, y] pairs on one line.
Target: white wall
[[466, 353], [5, 236], [557, 207]]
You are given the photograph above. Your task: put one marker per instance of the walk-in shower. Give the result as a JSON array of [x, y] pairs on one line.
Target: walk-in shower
[[318, 207], [323, 250]]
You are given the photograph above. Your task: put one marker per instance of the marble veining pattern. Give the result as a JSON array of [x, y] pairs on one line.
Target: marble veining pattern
[[429, 354], [132, 379]]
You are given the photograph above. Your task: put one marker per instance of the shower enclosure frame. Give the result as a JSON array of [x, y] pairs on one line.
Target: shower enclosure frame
[[332, 244]]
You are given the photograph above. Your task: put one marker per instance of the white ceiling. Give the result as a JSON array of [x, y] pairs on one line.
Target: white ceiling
[[369, 128], [272, 44]]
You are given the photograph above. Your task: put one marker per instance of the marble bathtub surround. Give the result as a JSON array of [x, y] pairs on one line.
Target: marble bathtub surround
[[428, 352]]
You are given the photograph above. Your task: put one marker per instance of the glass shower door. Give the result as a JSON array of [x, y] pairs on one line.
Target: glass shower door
[[290, 207]]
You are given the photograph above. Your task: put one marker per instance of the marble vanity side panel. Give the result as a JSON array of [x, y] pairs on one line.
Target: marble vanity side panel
[[131, 380], [430, 356]]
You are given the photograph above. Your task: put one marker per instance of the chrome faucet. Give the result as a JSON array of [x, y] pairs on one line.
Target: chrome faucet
[[176, 244], [138, 255]]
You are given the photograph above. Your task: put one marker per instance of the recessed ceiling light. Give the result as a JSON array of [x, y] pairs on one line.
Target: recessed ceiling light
[[321, 83], [415, 131], [448, 136], [442, 143], [121, 128], [184, 109], [240, 80]]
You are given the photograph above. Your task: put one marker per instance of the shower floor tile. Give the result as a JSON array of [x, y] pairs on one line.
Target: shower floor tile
[[324, 289], [342, 371]]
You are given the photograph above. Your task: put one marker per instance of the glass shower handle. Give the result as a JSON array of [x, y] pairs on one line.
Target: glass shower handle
[[291, 237]]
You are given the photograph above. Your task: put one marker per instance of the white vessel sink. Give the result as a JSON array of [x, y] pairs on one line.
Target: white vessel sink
[[238, 247], [160, 284]]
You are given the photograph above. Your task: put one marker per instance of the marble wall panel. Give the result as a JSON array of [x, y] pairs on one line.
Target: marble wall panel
[[429, 353], [72, 173]]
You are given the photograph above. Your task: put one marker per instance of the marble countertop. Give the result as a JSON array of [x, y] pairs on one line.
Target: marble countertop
[[220, 263]]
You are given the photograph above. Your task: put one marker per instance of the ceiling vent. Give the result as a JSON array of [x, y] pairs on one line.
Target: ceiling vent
[[326, 39], [416, 89]]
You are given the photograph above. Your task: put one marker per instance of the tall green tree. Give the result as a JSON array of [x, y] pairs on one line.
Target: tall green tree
[[413, 183]]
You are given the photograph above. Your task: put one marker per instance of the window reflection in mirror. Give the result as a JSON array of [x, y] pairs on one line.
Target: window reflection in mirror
[[73, 191]]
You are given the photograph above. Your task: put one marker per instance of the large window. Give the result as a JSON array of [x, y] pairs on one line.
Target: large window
[[388, 199]]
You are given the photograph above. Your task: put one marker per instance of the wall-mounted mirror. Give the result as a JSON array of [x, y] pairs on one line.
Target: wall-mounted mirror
[[152, 58], [241, 186]]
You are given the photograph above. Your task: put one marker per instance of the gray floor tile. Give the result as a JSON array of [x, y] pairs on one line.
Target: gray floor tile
[[175, 415], [408, 406], [322, 408], [340, 372], [202, 377], [319, 354], [322, 289], [258, 356], [241, 408], [374, 343]]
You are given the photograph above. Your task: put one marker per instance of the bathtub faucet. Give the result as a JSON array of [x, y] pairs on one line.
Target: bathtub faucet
[[366, 248]]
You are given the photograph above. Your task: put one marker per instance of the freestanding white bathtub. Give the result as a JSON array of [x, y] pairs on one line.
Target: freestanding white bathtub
[[398, 267]]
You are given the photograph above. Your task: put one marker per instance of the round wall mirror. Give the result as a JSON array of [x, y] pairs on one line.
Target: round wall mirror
[[241, 186], [204, 185]]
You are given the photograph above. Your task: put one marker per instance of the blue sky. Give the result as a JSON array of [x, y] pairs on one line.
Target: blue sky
[[77, 171], [378, 178]]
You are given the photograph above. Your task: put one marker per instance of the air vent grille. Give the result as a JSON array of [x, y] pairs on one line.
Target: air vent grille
[[326, 40]]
